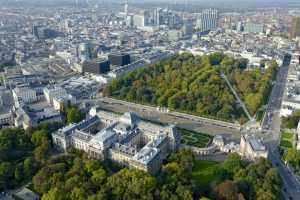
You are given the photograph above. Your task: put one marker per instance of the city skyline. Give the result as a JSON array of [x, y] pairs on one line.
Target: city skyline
[[152, 99]]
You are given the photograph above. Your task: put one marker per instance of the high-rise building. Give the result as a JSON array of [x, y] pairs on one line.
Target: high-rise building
[[147, 18], [129, 21], [240, 27], [188, 28], [295, 27], [35, 29], [139, 20], [208, 20], [157, 17], [126, 8], [84, 51]]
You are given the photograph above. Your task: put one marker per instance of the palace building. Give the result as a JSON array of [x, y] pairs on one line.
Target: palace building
[[126, 139]]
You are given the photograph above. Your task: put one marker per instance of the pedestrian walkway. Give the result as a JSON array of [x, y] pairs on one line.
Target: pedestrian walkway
[[237, 97]]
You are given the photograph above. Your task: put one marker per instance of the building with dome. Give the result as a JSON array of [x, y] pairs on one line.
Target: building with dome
[[126, 139]]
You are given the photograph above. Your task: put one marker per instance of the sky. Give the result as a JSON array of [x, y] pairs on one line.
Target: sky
[[283, 1], [252, 2]]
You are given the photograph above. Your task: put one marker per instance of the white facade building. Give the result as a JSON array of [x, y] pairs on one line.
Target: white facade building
[[139, 21], [208, 20], [24, 95], [252, 148], [58, 97], [29, 117], [53, 92], [126, 139]]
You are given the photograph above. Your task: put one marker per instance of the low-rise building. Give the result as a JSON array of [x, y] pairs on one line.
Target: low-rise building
[[252, 147], [26, 194], [127, 139], [32, 116], [6, 105], [52, 92], [24, 95], [6, 118], [58, 97], [253, 28]]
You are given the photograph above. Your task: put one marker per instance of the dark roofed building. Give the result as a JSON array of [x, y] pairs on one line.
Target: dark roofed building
[[119, 59], [96, 66]]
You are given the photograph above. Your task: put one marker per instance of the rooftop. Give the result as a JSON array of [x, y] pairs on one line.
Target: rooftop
[[146, 155], [82, 135], [157, 141], [129, 118], [104, 135], [256, 143]]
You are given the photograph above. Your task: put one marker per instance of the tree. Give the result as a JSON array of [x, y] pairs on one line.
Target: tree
[[216, 58], [184, 192], [41, 182], [190, 84], [29, 166], [233, 163], [92, 165], [292, 156], [78, 194], [227, 191], [72, 182], [98, 177], [6, 172], [291, 121], [176, 176], [38, 137], [55, 194], [19, 174], [131, 184], [13, 144], [41, 152], [241, 63], [74, 115], [101, 195], [272, 177], [265, 195]]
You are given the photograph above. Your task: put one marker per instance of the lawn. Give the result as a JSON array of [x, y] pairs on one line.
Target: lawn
[[286, 139], [203, 172], [192, 138]]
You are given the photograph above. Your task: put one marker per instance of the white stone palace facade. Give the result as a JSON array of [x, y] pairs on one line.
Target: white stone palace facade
[[125, 139]]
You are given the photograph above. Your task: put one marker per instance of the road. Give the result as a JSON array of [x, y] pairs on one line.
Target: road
[[271, 120], [182, 120], [271, 127], [291, 186]]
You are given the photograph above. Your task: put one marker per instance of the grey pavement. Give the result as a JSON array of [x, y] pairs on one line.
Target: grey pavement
[[271, 126], [186, 121]]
